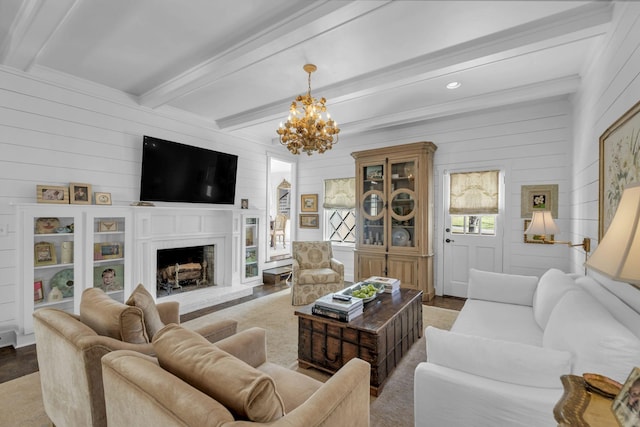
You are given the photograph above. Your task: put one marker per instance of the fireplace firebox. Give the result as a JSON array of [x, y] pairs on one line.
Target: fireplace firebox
[[184, 269]]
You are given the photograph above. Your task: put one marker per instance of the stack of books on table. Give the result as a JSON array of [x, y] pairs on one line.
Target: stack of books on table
[[391, 285], [337, 306]]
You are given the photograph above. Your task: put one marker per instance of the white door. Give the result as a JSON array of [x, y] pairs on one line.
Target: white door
[[470, 241]]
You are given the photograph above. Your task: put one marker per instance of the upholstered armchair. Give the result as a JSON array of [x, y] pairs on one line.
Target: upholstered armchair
[[230, 383], [315, 272], [69, 348]]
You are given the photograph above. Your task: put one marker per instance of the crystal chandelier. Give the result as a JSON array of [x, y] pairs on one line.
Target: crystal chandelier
[[306, 129]]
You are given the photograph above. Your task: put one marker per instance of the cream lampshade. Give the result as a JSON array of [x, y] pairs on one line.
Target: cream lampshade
[[542, 224], [618, 253]]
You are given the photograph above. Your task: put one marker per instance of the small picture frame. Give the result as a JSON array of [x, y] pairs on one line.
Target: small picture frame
[[109, 277], [309, 221], [52, 194], [539, 198], [108, 250], [107, 226], [244, 203], [102, 198], [44, 253], [535, 238], [80, 193], [626, 405], [38, 292], [309, 203]]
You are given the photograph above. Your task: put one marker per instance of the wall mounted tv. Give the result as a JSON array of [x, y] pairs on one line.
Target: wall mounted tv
[[174, 172]]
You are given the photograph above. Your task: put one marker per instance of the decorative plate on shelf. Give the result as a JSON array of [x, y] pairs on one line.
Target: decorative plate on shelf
[[400, 237], [63, 280]]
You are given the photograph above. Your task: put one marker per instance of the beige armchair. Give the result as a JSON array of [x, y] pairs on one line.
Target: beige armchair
[[227, 384], [315, 272], [69, 351]]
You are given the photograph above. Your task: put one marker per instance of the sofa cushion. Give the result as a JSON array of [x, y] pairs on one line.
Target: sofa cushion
[[244, 390], [318, 275], [111, 318], [600, 344], [140, 297], [488, 319], [500, 287], [499, 360], [551, 286]]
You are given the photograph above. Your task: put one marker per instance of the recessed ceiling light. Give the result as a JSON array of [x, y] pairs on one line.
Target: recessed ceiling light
[[454, 85]]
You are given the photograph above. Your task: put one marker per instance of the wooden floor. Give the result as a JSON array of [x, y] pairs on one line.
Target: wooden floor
[[15, 363]]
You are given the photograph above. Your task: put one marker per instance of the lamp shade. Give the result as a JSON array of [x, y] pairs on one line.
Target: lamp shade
[[542, 223], [618, 254]]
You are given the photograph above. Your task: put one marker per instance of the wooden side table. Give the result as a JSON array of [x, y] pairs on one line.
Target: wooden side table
[[581, 408]]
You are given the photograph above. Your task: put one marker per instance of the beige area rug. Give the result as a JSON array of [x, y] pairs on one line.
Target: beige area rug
[[393, 408]]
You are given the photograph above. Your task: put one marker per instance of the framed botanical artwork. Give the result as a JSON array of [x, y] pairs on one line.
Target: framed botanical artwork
[[539, 198], [619, 163], [309, 203], [309, 221], [102, 198], [534, 238], [52, 194], [44, 253], [626, 404], [80, 194]]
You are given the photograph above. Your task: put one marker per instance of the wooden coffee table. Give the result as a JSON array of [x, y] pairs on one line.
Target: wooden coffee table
[[382, 335]]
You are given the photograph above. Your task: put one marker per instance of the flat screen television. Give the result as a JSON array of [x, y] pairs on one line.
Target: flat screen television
[[174, 172]]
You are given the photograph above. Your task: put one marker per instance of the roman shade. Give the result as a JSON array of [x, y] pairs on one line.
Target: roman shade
[[474, 193], [339, 193]]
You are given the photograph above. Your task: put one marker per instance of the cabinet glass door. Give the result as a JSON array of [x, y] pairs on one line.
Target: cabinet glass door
[[251, 261], [373, 204], [53, 262], [108, 255], [403, 203]]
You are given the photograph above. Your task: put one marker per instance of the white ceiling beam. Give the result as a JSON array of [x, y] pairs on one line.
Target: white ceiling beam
[[34, 25], [566, 27], [312, 21]]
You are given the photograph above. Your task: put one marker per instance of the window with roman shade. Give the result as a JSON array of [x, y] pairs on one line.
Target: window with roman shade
[[339, 206], [474, 193]]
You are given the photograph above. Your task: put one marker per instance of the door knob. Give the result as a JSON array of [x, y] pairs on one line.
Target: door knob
[[449, 240]]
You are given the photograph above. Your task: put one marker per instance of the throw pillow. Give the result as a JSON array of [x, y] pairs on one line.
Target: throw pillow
[[141, 298], [551, 286], [241, 388], [500, 287], [108, 317], [600, 344], [499, 360]]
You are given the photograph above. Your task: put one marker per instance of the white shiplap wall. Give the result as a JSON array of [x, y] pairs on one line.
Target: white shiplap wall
[[530, 142], [53, 135], [611, 85]]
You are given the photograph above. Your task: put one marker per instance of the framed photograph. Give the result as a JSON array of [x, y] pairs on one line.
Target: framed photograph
[[80, 194], [619, 164], [102, 198], [626, 405], [109, 277], [44, 253], [244, 203], [309, 202], [539, 198], [309, 221], [52, 194], [107, 226], [107, 251], [528, 238], [38, 292], [374, 172]]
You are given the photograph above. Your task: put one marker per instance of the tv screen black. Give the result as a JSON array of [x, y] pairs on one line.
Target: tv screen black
[[174, 172]]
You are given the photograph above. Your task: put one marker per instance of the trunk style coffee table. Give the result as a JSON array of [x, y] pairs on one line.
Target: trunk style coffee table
[[382, 335]]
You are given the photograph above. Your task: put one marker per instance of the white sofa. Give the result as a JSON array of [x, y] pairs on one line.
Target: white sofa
[[501, 362]]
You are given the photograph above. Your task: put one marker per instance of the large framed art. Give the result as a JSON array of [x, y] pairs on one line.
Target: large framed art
[[619, 164]]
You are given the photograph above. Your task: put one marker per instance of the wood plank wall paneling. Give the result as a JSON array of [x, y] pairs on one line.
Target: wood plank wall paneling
[[54, 135], [611, 85]]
